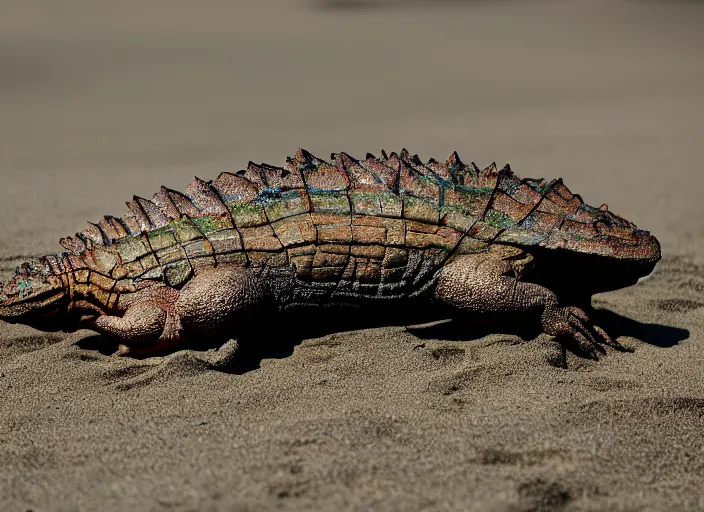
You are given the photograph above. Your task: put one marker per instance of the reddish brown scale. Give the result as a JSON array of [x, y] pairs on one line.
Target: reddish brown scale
[[205, 199], [235, 187], [359, 177], [182, 204], [91, 234], [388, 170], [166, 205], [139, 214], [254, 176], [322, 175]]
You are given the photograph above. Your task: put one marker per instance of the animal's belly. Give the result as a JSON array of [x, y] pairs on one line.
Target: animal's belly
[[338, 274]]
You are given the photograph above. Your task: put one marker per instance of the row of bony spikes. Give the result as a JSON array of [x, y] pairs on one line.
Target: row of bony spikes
[[203, 198]]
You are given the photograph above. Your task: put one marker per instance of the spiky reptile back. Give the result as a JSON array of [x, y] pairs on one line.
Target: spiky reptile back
[[317, 215]]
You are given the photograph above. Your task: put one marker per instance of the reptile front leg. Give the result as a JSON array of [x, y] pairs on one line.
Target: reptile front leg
[[487, 285], [210, 305]]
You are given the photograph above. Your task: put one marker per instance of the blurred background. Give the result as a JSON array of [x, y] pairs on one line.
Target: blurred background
[[103, 100]]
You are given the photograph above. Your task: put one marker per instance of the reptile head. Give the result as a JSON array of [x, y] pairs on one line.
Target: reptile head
[[34, 296], [616, 258], [577, 248], [602, 254]]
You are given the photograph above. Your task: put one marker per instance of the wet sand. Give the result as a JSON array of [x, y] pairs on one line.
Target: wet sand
[[99, 103]]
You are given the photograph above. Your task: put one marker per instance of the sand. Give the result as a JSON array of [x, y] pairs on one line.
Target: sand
[[102, 101]]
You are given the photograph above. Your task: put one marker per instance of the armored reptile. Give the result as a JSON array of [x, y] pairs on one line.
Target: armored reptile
[[185, 267]]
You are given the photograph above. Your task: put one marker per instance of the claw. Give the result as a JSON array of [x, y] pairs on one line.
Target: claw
[[580, 314], [586, 346], [608, 340], [578, 324], [574, 323]]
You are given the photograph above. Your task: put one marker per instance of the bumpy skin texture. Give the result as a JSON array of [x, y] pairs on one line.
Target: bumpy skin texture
[[217, 300], [486, 284], [182, 267]]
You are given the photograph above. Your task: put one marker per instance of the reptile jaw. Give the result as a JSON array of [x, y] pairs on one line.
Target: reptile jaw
[[33, 299]]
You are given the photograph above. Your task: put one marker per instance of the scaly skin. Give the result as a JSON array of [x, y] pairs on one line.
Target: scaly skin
[[186, 267]]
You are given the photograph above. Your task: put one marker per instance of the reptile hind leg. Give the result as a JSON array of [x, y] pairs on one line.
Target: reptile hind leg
[[210, 305], [487, 284], [219, 300], [148, 325]]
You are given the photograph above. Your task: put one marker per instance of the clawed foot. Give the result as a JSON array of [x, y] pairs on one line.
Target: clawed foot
[[573, 323]]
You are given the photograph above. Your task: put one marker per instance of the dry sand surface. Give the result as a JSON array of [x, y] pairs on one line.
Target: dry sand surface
[[102, 100]]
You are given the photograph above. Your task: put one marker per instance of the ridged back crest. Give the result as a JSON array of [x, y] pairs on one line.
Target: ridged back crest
[[388, 214]]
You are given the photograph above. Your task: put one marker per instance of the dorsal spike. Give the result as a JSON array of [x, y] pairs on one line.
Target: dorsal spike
[[432, 161], [321, 175], [182, 204], [404, 153], [506, 170], [92, 233], [303, 157], [385, 173], [384, 156], [205, 198], [257, 170], [119, 227], [416, 159], [234, 187], [156, 217], [319, 161], [136, 210], [251, 166], [131, 224], [491, 170], [73, 245], [252, 174], [370, 156], [283, 178], [454, 161], [344, 160], [108, 230], [88, 242], [162, 200]]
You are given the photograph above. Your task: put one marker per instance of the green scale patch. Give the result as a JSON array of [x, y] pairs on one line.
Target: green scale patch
[[285, 204], [329, 201], [247, 214]]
